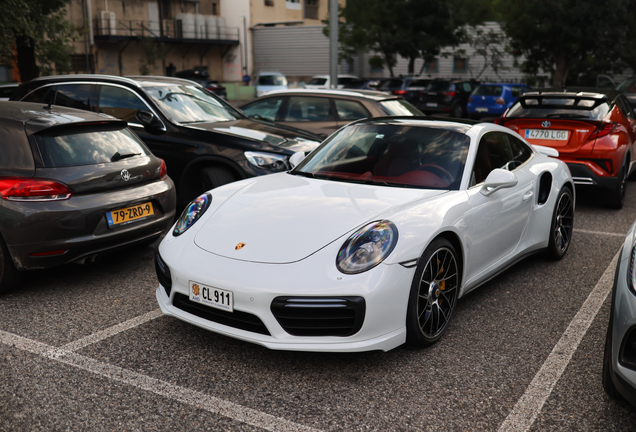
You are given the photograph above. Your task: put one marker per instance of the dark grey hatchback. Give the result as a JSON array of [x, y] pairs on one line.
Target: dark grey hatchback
[[73, 185]]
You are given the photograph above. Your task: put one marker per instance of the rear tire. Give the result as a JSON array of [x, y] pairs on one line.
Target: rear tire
[[457, 110], [616, 197], [9, 275]]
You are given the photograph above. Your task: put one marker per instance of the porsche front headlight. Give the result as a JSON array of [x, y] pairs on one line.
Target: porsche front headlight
[[367, 247], [192, 213]]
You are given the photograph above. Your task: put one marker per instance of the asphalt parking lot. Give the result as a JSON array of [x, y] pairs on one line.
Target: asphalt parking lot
[[85, 348]]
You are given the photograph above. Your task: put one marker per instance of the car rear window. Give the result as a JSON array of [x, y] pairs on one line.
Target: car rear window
[[76, 146], [398, 107], [419, 83], [559, 107], [488, 91], [439, 86], [392, 83]]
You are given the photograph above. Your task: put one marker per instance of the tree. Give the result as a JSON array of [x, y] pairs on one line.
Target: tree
[[490, 45], [564, 36], [36, 34]]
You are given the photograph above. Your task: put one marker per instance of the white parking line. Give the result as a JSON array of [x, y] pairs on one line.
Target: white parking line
[[111, 331], [162, 388], [529, 406], [599, 233]]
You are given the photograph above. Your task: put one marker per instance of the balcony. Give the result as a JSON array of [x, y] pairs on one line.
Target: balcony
[[173, 31]]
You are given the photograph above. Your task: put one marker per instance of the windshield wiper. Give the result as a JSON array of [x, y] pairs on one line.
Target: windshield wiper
[[118, 156]]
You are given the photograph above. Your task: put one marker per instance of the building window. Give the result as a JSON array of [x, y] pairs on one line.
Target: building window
[[292, 4], [460, 64], [431, 66], [269, 2], [311, 9]]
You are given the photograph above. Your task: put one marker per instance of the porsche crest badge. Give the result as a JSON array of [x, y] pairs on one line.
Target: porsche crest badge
[[239, 246]]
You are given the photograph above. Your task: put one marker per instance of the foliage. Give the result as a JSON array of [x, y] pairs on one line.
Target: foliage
[[568, 38], [150, 54], [35, 32], [491, 45], [409, 28]]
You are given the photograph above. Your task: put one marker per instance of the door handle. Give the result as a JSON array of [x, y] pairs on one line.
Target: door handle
[[528, 195]]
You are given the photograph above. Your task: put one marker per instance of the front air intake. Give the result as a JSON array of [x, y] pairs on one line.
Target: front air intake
[[319, 316]]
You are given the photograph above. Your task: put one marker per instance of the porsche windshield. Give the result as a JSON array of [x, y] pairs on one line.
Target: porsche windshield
[[189, 104], [391, 154]]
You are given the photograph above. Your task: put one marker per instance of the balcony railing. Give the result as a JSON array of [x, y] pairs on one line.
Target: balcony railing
[[172, 30]]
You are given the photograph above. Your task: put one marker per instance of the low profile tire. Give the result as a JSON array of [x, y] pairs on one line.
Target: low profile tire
[[562, 225], [616, 197], [433, 295], [213, 177], [9, 275], [457, 111]]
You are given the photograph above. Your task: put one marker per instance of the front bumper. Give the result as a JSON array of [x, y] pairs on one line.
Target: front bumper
[[255, 286], [624, 323]]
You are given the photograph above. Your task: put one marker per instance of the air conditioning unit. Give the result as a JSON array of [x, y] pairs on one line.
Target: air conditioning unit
[[106, 24]]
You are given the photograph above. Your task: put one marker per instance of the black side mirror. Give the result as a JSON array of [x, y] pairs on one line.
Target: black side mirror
[[150, 122]]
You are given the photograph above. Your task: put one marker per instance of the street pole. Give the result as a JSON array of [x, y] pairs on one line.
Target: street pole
[[333, 43]]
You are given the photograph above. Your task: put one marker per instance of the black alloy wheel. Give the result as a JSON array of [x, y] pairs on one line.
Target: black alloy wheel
[[457, 110], [562, 225], [433, 294], [616, 197]]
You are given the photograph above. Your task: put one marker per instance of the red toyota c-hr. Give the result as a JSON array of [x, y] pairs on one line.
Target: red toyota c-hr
[[594, 132]]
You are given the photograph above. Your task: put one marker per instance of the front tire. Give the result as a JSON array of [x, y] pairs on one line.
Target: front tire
[[562, 225], [433, 295]]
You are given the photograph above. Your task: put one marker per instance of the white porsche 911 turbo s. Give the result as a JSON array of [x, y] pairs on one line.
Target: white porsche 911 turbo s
[[370, 240]]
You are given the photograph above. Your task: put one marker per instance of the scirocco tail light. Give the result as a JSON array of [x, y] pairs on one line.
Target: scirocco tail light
[[33, 189]]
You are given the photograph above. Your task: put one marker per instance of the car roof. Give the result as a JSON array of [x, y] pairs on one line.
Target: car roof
[[37, 116], [364, 94], [339, 76]]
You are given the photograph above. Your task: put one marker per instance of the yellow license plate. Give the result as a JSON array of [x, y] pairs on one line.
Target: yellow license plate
[[129, 214]]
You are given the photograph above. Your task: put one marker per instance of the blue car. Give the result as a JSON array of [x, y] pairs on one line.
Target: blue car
[[619, 359], [493, 99]]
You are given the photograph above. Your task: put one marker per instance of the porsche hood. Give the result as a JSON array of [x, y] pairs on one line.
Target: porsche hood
[[284, 218]]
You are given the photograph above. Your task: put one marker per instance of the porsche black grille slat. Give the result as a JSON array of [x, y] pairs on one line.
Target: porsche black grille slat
[[163, 274], [319, 316], [237, 319]]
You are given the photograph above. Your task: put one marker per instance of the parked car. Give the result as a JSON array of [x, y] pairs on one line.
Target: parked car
[[324, 111], [594, 131], [619, 358], [324, 81], [444, 96], [410, 88], [74, 185], [204, 141], [202, 77], [364, 84], [493, 99], [405, 218], [6, 90], [270, 81]]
